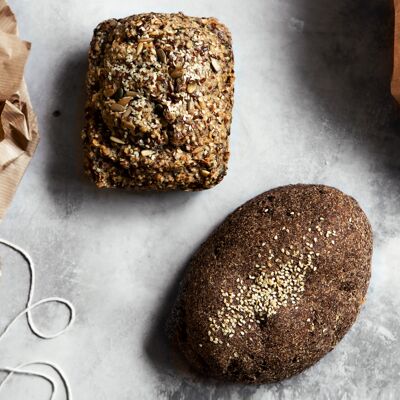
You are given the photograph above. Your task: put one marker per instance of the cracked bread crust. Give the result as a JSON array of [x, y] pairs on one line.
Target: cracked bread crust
[[160, 97]]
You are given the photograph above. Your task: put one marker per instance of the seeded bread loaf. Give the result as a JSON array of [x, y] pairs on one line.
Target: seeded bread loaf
[[160, 98], [276, 286]]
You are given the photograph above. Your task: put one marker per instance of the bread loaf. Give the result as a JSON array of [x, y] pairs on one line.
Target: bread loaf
[[276, 286], [160, 98]]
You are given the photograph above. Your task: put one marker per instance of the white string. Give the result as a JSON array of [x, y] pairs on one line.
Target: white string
[[35, 330], [19, 370], [22, 371], [30, 306]]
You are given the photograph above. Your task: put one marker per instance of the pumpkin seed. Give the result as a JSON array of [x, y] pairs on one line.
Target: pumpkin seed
[[159, 110], [119, 94]]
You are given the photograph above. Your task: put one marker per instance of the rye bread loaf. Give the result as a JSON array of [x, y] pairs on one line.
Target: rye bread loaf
[[276, 286], [160, 98]]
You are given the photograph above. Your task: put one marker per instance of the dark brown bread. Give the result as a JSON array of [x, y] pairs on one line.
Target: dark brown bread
[[276, 286]]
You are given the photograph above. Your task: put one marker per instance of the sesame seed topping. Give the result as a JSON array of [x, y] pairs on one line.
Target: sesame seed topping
[[278, 283]]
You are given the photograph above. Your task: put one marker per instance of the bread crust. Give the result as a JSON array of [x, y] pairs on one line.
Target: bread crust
[[160, 97], [289, 220]]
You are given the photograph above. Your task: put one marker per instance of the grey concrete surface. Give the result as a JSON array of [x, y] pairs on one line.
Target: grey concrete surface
[[312, 105]]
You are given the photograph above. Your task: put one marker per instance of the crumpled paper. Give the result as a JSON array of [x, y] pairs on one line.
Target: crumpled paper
[[19, 135], [396, 58]]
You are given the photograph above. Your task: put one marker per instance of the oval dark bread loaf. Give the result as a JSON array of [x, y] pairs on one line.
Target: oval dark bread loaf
[[276, 286]]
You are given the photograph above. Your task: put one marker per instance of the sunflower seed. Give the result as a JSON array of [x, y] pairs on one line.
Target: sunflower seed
[[146, 153], [202, 104], [190, 106], [117, 107], [215, 65], [198, 150], [128, 125], [127, 113], [105, 150], [191, 88], [125, 100], [139, 48], [116, 140], [162, 57], [132, 93], [109, 92], [177, 73], [145, 40]]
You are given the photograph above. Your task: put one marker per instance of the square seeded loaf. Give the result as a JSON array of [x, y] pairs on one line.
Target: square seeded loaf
[[160, 97]]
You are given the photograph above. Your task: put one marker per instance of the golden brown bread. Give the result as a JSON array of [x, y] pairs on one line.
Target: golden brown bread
[[160, 98]]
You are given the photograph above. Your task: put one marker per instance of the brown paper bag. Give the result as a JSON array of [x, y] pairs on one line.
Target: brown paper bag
[[396, 67], [18, 127]]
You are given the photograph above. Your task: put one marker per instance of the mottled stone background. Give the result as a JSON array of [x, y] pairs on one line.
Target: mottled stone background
[[312, 105]]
